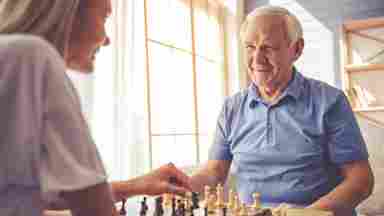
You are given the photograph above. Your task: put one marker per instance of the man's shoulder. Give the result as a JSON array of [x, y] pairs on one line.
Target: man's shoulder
[[236, 99], [320, 89]]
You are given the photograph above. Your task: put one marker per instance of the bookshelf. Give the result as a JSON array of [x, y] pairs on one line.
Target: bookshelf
[[363, 67]]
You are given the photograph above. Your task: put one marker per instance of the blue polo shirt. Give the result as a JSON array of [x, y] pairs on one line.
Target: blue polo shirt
[[288, 151]]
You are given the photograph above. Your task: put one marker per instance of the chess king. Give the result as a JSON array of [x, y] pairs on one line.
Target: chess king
[[288, 137]]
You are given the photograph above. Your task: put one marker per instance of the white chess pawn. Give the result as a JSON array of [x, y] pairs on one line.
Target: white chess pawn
[[231, 199], [219, 196], [256, 201], [236, 204], [211, 203]]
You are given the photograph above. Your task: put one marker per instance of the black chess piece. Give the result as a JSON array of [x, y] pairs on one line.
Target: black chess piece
[[225, 211], [143, 207], [205, 211], [191, 210], [173, 206], [122, 209], [159, 211], [180, 211], [172, 180], [195, 200]]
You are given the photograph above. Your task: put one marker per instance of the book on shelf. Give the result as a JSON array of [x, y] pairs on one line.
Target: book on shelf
[[361, 98]]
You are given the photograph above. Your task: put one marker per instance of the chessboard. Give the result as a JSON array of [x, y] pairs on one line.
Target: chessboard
[[212, 203]]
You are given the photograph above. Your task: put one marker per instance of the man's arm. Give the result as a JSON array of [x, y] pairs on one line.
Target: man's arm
[[357, 185], [95, 200], [214, 172]]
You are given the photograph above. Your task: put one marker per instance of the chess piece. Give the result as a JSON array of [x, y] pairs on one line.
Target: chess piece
[[195, 200], [211, 203], [256, 201], [236, 205], [167, 200], [172, 180], [187, 201], [159, 211], [220, 196], [122, 209], [243, 210], [207, 192], [231, 200], [173, 206], [181, 209], [143, 207], [224, 209]]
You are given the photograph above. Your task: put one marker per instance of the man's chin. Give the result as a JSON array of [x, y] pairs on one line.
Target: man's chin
[[262, 82]]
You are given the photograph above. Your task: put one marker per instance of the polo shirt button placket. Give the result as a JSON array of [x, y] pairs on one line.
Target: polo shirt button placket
[[269, 127]]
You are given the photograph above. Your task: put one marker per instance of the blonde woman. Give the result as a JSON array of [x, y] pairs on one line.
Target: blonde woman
[[46, 152]]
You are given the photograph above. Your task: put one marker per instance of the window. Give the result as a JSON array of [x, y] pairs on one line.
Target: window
[[186, 78]]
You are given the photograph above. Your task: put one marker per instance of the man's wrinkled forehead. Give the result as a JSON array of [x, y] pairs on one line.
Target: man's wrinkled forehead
[[265, 27]]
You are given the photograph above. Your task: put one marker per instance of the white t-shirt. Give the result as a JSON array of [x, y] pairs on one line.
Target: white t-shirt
[[45, 144]]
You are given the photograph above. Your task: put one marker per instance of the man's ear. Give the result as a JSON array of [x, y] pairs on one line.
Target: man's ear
[[299, 47]]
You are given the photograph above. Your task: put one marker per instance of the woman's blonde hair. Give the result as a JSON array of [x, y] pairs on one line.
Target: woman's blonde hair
[[293, 26], [49, 19]]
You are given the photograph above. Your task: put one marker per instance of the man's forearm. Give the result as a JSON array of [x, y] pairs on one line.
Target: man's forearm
[[343, 199], [357, 185]]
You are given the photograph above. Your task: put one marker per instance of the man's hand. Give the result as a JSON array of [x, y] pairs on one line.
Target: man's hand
[[212, 173], [357, 185], [166, 179]]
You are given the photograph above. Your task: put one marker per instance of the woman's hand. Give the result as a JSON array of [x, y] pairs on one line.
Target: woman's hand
[[166, 179]]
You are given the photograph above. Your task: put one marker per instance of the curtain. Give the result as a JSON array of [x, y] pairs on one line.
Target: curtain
[[119, 112]]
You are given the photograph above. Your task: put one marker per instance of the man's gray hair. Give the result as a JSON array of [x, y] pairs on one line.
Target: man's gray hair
[[293, 26], [49, 19]]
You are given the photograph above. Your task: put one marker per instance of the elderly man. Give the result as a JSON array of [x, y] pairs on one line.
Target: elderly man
[[288, 137], [47, 154]]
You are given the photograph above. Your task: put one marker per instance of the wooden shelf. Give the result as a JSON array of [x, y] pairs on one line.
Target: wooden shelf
[[359, 25], [374, 115], [363, 67], [369, 109]]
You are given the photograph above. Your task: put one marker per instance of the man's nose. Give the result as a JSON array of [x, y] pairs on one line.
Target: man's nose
[[259, 55]]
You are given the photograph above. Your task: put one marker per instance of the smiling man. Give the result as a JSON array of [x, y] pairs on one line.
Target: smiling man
[[290, 138]]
